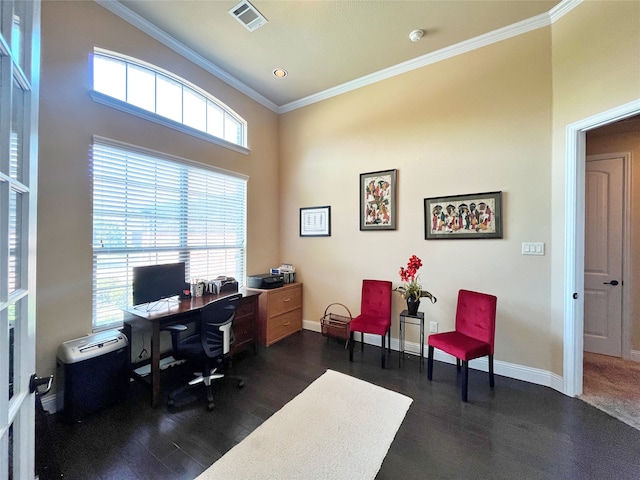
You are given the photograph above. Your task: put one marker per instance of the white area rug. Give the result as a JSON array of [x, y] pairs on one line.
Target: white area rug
[[339, 427]]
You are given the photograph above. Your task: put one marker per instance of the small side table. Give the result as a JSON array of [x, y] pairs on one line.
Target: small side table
[[406, 319]]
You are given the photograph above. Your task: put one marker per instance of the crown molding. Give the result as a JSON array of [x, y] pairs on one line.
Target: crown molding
[[115, 7], [562, 9], [510, 31]]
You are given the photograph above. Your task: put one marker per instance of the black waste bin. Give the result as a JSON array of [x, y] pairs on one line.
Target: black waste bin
[[93, 372]]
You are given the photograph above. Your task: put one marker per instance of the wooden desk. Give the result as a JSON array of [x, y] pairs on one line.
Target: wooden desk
[[185, 311]]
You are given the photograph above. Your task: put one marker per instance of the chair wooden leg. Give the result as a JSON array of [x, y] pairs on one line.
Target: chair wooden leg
[[382, 349], [430, 363], [465, 380], [491, 381], [362, 341], [458, 364], [389, 342], [351, 341]]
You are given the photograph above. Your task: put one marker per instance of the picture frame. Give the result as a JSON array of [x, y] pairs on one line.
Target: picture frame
[[315, 221], [477, 215], [378, 192]]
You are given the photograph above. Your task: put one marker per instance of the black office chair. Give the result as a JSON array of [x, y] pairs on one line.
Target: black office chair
[[211, 344]]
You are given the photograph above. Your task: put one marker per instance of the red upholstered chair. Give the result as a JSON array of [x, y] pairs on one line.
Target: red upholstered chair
[[473, 336], [375, 314]]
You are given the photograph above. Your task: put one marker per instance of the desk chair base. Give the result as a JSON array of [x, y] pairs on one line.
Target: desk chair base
[[207, 381]]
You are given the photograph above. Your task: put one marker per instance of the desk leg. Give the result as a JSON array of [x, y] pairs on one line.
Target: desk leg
[[126, 330], [155, 364]]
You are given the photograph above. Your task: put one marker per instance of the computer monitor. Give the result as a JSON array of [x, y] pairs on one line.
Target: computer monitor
[[156, 282]]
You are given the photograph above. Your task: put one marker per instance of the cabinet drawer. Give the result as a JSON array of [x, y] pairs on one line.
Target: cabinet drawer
[[284, 301], [245, 308], [283, 325], [243, 330]]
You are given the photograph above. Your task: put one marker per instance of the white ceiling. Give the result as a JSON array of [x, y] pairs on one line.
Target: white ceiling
[[324, 45]]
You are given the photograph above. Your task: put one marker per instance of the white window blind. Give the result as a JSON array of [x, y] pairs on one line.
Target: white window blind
[[150, 210]]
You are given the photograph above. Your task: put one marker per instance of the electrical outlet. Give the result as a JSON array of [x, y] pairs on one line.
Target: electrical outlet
[[433, 327]]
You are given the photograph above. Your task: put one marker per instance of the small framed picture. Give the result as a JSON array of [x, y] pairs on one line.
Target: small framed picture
[[477, 215], [315, 222], [378, 200]]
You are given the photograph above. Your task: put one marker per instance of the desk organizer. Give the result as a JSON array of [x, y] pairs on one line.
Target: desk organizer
[[335, 325]]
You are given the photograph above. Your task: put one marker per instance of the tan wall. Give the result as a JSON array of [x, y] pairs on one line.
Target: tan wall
[[492, 119], [596, 67], [69, 118], [474, 123], [607, 140]]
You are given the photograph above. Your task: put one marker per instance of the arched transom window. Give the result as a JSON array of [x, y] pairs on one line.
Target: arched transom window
[[148, 91]]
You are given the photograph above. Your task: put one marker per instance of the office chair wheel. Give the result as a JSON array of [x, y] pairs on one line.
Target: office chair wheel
[[170, 403], [240, 383], [211, 406]]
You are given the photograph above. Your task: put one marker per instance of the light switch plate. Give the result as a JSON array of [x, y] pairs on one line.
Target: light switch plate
[[532, 248]]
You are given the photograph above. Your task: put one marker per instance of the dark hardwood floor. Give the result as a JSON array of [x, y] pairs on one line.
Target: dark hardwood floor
[[517, 431]]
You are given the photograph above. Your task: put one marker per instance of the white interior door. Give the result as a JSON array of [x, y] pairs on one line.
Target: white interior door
[[19, 77], [604, 210]]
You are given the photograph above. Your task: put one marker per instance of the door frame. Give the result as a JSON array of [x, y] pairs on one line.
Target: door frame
[[575, 169], [17, 414], [625, 327]]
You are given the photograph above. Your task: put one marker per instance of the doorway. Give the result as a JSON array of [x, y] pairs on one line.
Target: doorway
[[574, 267]]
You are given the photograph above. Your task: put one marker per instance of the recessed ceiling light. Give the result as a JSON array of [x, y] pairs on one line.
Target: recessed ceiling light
[[280, 72]]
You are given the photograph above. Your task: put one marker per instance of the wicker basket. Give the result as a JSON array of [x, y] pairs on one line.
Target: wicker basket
[[336, 326]]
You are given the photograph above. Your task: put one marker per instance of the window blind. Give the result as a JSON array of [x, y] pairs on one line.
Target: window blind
[[151, 210]]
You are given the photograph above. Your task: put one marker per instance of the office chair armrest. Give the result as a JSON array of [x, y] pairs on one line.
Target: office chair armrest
[[175, 331]]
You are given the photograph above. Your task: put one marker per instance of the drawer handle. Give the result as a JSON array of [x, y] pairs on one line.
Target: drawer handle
[[286, 299], [285, 324]]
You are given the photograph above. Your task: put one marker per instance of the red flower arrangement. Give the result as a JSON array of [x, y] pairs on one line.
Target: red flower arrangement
[[411, 287]]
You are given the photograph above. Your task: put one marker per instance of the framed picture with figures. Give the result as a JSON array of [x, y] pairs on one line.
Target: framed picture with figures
[[477, 215], [378, 200]]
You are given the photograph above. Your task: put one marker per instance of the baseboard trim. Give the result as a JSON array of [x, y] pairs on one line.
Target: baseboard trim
[[506, 369]]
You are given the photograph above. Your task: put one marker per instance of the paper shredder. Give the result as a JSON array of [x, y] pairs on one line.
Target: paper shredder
[[93, 372]]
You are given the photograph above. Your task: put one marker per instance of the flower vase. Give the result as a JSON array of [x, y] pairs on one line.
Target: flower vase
[[412, 305]]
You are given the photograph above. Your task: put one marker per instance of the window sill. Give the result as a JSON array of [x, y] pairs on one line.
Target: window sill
[[128, 108]]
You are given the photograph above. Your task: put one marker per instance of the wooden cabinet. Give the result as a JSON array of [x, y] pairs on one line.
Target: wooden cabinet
[[245, 328], [279, 312]]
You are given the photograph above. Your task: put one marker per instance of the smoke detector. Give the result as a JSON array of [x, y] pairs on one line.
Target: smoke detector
[[416, 35], [248, 15]]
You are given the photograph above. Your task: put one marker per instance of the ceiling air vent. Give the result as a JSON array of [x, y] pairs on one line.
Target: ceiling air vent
[[248, 15]]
